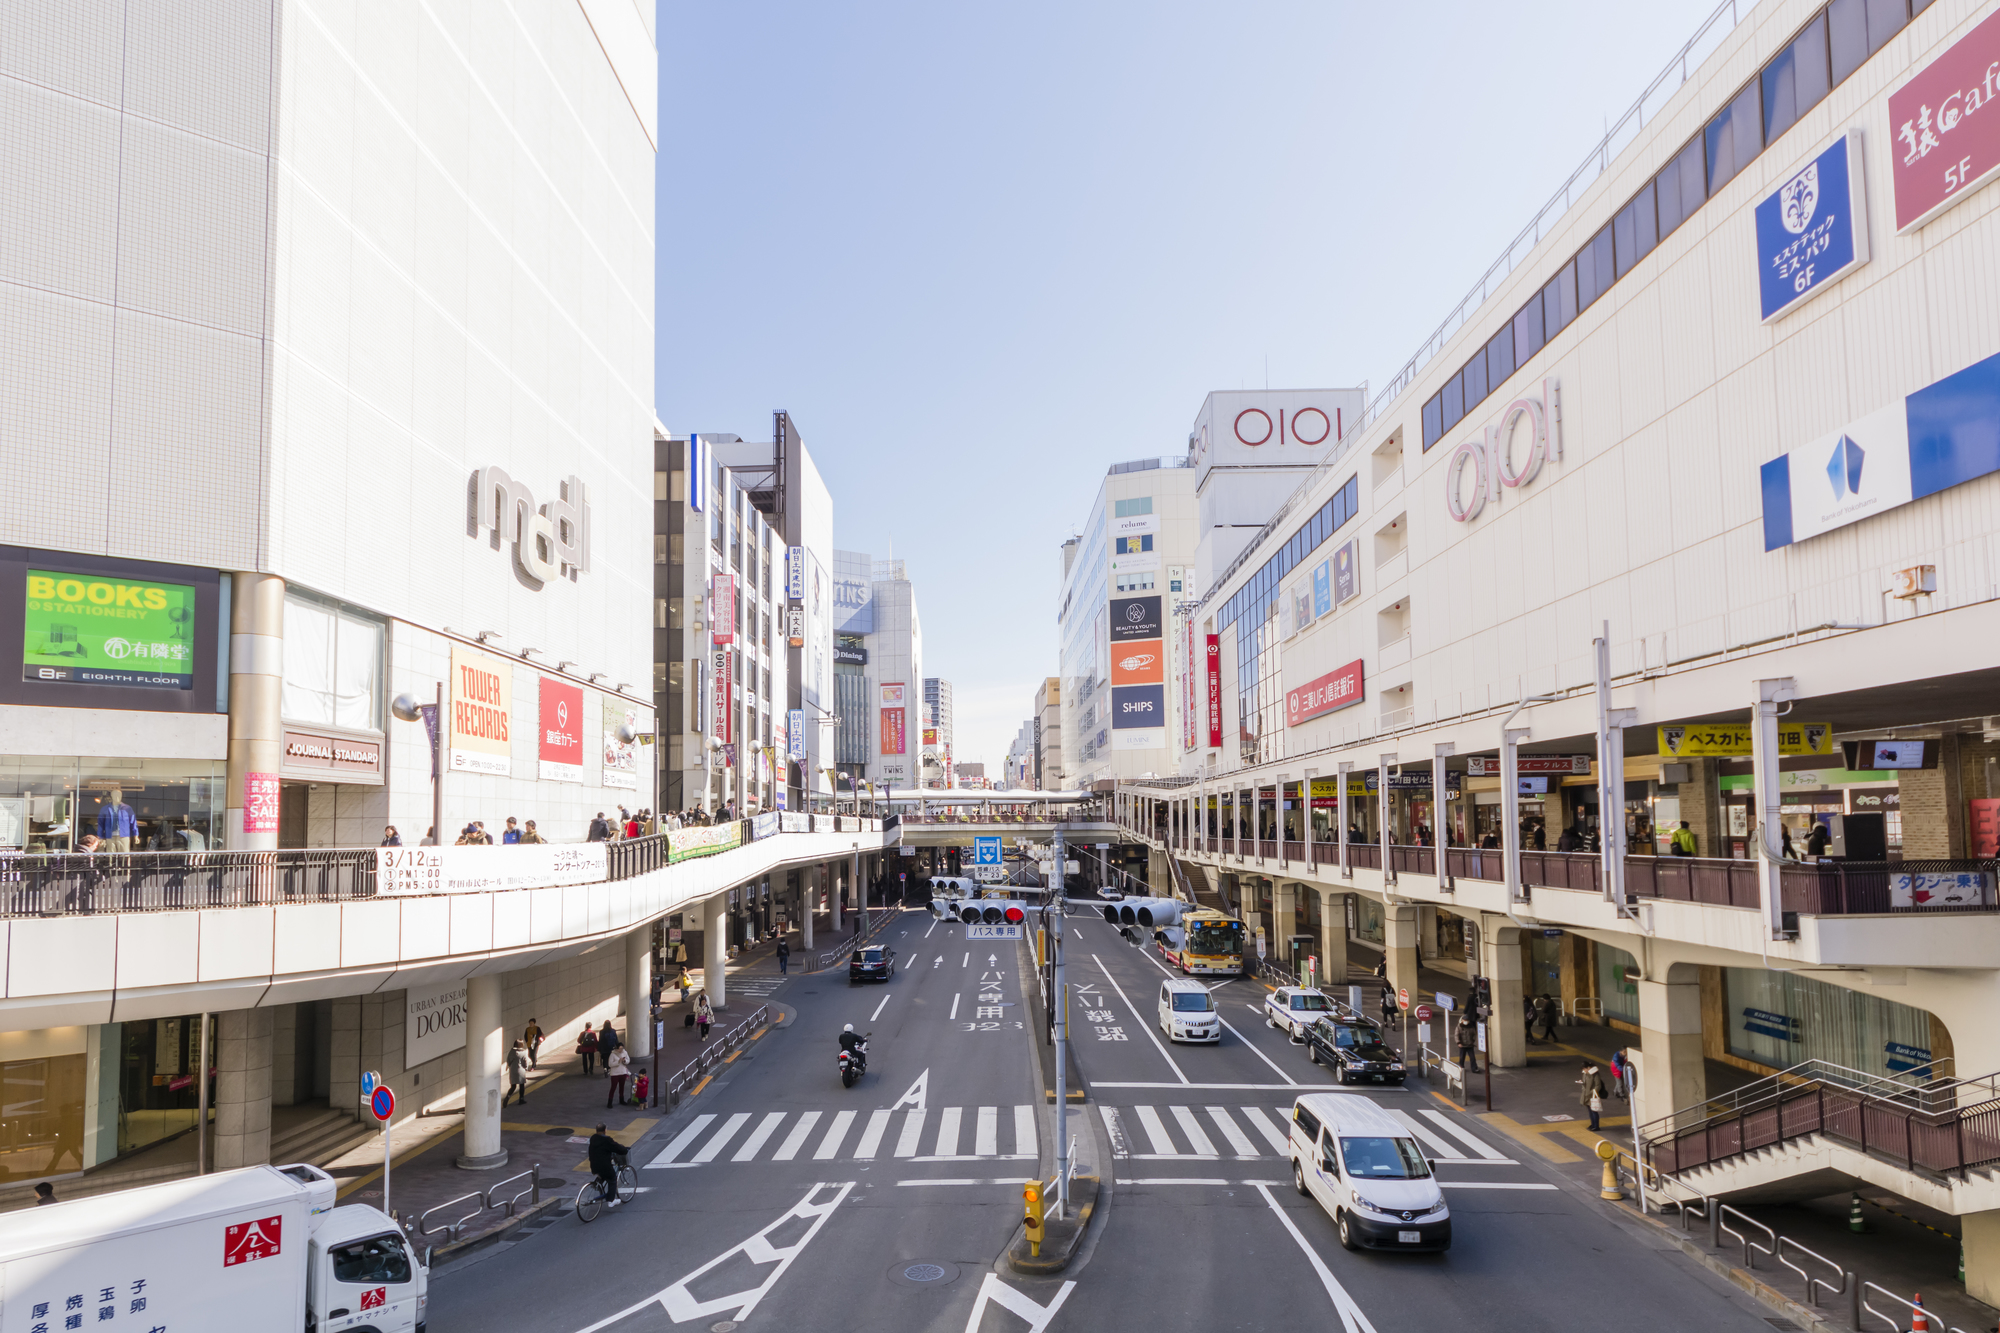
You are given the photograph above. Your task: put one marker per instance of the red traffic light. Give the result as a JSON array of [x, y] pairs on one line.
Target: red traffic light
[[1015, 916]]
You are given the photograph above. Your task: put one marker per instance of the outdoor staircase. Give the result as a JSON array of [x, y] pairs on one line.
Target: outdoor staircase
[[329, 1135], [1196, 877]]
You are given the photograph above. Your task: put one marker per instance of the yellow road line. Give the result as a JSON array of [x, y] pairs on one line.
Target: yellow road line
[[1526, 1134], [706, 1080]]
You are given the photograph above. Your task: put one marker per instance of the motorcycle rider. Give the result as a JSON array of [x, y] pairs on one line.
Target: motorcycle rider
[[857, 1046]]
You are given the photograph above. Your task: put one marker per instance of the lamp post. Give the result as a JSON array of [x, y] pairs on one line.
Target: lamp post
[[431, 715]]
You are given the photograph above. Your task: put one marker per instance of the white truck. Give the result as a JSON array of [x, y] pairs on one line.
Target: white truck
[[260, 1248]]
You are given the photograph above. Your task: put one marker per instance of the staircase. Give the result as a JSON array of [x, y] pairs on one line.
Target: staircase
[[321, 1139], [1195, 877]]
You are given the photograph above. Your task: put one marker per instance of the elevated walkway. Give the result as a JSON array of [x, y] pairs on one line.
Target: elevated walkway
[[960, 830]]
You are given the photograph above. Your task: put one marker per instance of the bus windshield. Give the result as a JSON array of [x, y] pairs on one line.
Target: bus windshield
[[1210, 941]]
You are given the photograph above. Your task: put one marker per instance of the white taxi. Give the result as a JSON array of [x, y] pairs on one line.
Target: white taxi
[[1293, 1009]]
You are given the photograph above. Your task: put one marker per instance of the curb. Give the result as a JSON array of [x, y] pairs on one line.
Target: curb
[[444, 1254], [1750, 1284], [1062, 1239]]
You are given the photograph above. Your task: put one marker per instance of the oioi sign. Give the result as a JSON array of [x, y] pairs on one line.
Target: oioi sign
[[1491, 454]]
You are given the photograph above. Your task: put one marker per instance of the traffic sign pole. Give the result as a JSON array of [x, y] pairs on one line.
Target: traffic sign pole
[[382, 1105]]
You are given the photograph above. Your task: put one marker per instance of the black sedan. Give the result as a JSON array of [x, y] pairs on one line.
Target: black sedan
[[875, 963], [1354, 1051]]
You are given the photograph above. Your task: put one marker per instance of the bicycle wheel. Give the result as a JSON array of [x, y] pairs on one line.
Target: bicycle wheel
[[628, 1181], [589, 1200]]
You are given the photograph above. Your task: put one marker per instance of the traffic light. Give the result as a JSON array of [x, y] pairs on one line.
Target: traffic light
[[1031, 1196]]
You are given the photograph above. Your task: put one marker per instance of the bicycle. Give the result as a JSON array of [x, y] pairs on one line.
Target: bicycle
[[590, 1197]]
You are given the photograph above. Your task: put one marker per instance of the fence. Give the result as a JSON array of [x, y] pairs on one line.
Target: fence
[[493, 1196], [826, 958], [678, 1082]]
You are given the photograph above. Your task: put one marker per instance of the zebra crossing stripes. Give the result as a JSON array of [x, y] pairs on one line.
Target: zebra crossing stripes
[[747, 1136], [1181, 1134]]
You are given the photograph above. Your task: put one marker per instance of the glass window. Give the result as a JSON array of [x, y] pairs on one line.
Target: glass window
[[1620, 997], [378, 1259], [1527, 332], [1500, 358], [1454, 402], [1734, 138], [1433, 419], [309, 634], [1635, 230], [1886, 18], [1595, 271], [1193, 1002], [1779, 1019], [1383, 1159], [1796, 80], [358, 673], [1142, 504], [1473, 378]]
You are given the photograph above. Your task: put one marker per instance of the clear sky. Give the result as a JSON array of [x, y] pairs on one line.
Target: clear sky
[[982, 251]]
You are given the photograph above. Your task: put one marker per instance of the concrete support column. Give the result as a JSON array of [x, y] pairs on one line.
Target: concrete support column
[[1284, 924], [832, 898], [639, 992], [808, 902], [1500, 964], [242, 1088], [256, 689], [715, 947], [1158, 878], [1672, 1076], [1701, 807], [1399, 940], [343, 1090], [485, 1062], [1332, 937]]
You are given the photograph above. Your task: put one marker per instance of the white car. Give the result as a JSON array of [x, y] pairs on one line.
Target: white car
[[1187, 1011], [1293, 1009], [1360, 1164]]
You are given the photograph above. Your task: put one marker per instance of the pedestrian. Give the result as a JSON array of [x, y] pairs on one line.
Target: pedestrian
[[529, 835], [1785, 843], [599, 830], [1468, 1040], [704, 1015], [45, 1194], [510, 835], [1570, 841], [391, 838], [1817, 839], [1550, 1012], [586, 1046], [1528, 1015], [1541, 835], [517, 1073], [468, 836], [1538, 1016], [1388, 1005], [1683, 841], [616, 1068], [684, 983], [642, 1088], [532, 1035], [784, 956], [1593, 1093], [631, 826], [430, 837], [608, 1041]]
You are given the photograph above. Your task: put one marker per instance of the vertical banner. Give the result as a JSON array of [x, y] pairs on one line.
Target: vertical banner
[[721, 608], [795, 735], [560, 740], [721, 718], [482, 707], [621, 758], [894, 711], [260, 802], [1214, 653]]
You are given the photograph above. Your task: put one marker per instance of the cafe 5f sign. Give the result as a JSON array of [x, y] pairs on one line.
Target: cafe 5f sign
[[1510, 453]]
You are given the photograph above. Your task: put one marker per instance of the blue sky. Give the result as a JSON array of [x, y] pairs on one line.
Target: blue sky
[[982, 251]]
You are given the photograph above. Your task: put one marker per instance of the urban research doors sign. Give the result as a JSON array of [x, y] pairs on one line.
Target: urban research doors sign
[[94, 629], [482, 708]]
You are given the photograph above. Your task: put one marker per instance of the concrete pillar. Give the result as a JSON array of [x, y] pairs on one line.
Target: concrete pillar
[[256, 689], [242, 1088], [343, 1087], [639, 992], [1500, 964], [1672, 1076], [1399, 940], [1284, 924], [1981, 1232], [832, 898], [1158, 877], [715, 926], [486, 1047], [808, 901], [1332, 937], [1701, 807]]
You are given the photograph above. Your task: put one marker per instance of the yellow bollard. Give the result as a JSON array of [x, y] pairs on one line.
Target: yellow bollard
[[1610, 1188]]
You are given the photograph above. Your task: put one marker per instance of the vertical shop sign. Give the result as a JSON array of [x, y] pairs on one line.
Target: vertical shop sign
[[260, 802], [1214, 652], [482, 708], [560, 736], [721, 608], [721, 713]]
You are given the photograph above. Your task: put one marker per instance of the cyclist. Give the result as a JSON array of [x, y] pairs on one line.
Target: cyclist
[[606, 1156]]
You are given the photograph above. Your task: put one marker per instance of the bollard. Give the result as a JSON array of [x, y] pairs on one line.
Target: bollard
[[535, 1180], [1855, 1221], [1610, 1188], [1853, 1301]]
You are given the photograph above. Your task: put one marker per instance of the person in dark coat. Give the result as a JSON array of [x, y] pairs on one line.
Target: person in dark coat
[[606, 1156], [599, 830], [1594, 1092], [608, 1041], [784, 955], [586, 1046]]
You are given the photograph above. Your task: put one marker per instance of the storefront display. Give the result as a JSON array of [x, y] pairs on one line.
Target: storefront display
[[48, 804]]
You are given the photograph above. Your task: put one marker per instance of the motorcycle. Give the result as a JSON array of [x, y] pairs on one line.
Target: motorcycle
[[853, 1064]]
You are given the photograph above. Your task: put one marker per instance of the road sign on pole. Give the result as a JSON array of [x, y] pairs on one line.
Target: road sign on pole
[[1403, 997], [1423, 1013], [370, 1080], [986, 851], [382, 1105]]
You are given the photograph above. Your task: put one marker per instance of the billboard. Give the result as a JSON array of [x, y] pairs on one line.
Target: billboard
[[95, 629], [1214, 691], [722, 717], [853, 593], [1135, 618], [559, 739], [1142, 662], [621, 758], [722, 608], [482, 708], [1813, 229], [1337, 689], [1944, 145], [895, 717], [1135, 706]]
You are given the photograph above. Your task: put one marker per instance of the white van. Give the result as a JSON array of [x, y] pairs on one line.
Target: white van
[[1187, 1012], [1363, 1167]]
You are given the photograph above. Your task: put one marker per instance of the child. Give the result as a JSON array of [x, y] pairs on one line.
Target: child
[[641, 1087]]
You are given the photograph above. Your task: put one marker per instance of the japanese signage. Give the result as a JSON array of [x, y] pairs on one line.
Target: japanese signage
[[560, 739], [1938, 437], [795, 573], [1134, 618], [1813, 229], [1325, 791], [721, 608], [795, 625], [1480, 467], [486, 869], [1337, 689], [1214, 651], [93, 629], [1572, 765], [1700, 739], [1957, 888], [621, 757], [1945, 143], [260, 802], [930, 737], [724, 716], [894, 716], [433, 1023], [249, 1241], [318, 758], [482, 707], [795, 733]]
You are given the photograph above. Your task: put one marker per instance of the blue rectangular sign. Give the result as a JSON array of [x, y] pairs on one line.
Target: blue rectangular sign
[[986, 851], [1813, 229], [1323, 589], [1138, 706]]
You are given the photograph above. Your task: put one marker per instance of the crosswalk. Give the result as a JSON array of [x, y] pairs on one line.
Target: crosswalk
[[1216, 1133], [950, 1133]]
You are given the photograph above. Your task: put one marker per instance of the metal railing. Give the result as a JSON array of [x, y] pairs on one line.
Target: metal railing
[[489, 1198], [678, 1082], [825, 958], [1869, 1289]]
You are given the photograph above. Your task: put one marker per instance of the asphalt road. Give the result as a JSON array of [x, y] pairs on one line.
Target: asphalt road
[[778, 1199]]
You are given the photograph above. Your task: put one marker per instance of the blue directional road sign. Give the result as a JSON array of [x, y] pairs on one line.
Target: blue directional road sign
[[369, 1080], [986, 851]]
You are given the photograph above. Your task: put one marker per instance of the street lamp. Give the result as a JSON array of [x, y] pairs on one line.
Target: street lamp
[[406, 707]]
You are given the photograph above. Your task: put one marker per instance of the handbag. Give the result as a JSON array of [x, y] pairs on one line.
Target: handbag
[[687, 1020], [1596, 1102]]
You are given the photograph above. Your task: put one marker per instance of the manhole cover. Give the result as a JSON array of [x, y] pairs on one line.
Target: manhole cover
[[923, 1272], [555, 1130], [726, 1326], [554, 1183]]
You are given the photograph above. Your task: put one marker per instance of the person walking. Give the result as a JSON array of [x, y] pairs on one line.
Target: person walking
[[510, 835], [1538, 1016], [586, 1046], [1593, 1094], [45, 1194], [517, 1073], [391, 838], [531, 1036], [684, 983], [608, 1041], [599, 830], [704, 1016], [616, 1069], [1468, 1039], [1683, 842], [1817, 839], [1549, 1011], [784, 956], [1388, 1006], [529, 835]]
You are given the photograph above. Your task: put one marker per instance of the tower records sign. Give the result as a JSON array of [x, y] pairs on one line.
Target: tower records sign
[[482, 710]]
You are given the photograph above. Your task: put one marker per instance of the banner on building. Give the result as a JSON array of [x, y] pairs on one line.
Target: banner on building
[[1139, 662], [621, 757], [402, 871], [482, 707], [1570, 765], [795, 735], [560, 742], [1134, 618], [1697, 740], [1214, 651], [1944, 145], [1337, 689], [434, 1023], [721, 716], [690, 843], [892, 731], [722, 608], [261, 792]]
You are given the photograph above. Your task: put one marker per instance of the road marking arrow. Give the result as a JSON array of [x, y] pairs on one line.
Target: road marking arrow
[[914, 1098]]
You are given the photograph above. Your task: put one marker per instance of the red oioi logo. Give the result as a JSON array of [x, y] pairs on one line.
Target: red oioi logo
[[252, 1240]]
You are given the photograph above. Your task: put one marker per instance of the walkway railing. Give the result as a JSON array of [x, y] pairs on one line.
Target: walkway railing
[[502, 1194], [675, 1085], [826, 958]]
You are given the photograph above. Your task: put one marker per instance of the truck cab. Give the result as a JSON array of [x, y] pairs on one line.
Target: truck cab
[[361, 1276]]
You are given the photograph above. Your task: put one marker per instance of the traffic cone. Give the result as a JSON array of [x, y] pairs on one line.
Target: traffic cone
[[1919, 1321], [1855, 1222]]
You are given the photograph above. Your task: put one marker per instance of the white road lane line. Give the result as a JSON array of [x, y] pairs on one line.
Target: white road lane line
[[1445, 1147], [1014, 1302], [683, 1140], [797, 1138], [1215, 1087], [720, 1139], [934, 926], [986, 1135], [913, 1127], [1254, 1051], [1260, 1120], [956, 997], [1120, 1147], [1140, 1019], [765, 1129], [947, 1135], [1203, 1145], [1451, 1126], [1493, 1185], [1024, 1131], [967, 962], [1227, 1124], [965, 1181], [871, 1137], [1173, 1180], [1156, 1130], [879, 1008], [1351, 1317], [829, 1147]]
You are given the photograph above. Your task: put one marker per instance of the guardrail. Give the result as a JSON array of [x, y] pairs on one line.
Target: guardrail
[[489, 1199], [826, 958], [676, 1083]]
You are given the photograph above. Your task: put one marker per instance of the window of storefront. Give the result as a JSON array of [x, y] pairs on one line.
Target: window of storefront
[[157, 1093], [1621, 997], [1368, 920], [333, 665], [1450, 936], [47, 804], [1782, 1019], [46, 1073]]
